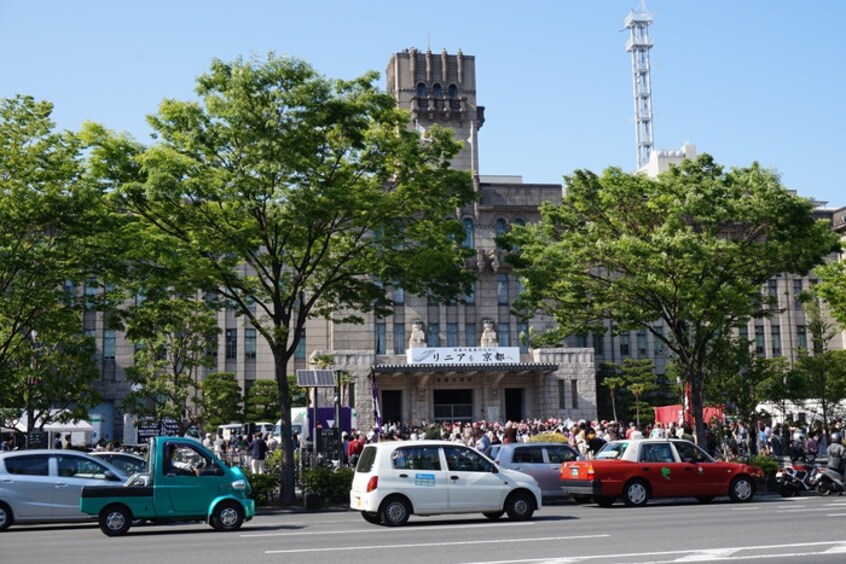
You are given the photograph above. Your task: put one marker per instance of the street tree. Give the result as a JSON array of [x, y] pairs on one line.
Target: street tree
[[221, 400], [690, 248], [261, 402], [49, 216], [172, 333], [639, 380], [294, 196], [821, 370], [832, 288]]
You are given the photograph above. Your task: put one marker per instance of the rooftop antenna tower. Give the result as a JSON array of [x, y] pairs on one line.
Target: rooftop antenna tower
[[639, 44]]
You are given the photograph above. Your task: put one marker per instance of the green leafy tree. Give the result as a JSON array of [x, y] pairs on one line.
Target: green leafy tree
[[299, 396], [640, 379], [832, 288], [821, 370], [614, 383], [172, 333], [691, 248], [262, 401], [293, 196], [221, 400], [49, 216]]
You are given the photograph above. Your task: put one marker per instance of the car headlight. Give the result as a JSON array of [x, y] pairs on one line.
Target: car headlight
[[239, 485]]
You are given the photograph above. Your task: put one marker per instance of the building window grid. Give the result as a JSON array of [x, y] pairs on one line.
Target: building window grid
[[502, 289], [599, 344], [250, 343], [641, 344], [433, 337], [300, 351], [503, 335], [760, 349], [381, 337], [231, 344], [775, 334], [574, 393], [562, 394], [657, 343], [624, 344], [109, 344], [523, 337], [802, 337], [452, 334], [797, 293], [399, 339], [470, 336]]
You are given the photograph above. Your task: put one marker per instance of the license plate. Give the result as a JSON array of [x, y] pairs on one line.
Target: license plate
[[358, 502], [574, 471]]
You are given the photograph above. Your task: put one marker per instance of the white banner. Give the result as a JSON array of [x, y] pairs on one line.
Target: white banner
[[464, 355]]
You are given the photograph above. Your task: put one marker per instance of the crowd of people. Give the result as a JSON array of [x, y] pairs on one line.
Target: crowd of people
[[726, 441]]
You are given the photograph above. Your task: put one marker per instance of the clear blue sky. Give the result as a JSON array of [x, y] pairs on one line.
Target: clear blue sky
[[752, 80]]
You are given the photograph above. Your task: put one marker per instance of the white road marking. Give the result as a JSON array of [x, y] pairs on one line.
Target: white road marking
[[384, 530], [703, 554], [430, 544]]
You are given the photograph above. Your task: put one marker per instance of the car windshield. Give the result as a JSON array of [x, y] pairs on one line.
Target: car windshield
[[612, 451]]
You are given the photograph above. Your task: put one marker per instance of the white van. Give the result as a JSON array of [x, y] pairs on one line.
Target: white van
[[243, 429]]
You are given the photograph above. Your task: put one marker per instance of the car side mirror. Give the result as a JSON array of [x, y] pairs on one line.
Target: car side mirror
[[494, 470]]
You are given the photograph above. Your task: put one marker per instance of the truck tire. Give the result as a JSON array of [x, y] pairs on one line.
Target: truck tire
[[115, 520], [227, 516]]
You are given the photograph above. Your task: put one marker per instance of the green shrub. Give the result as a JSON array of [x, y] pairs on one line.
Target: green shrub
[[548, 437], [333, 485], [265, 488], [765, 463]]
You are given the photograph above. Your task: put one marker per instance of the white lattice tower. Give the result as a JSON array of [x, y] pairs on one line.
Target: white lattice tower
[[639, 44]]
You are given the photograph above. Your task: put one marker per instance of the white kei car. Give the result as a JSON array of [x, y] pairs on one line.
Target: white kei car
[[397, 479]]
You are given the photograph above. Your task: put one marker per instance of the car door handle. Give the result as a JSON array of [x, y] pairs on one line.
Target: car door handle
[[61, 485], [403, 475], [454, 478], [645, 469]]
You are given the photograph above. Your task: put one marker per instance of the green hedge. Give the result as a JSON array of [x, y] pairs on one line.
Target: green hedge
[[765, 463], [333, 485], [548, 437]]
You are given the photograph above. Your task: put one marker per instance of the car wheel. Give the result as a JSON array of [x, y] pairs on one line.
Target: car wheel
[[824, 488], [603, 501], [6, 517], [742, 489], [115, 520], [371, 517], [493, 515], [581, 498], [705, 498], [636, 493], [395, 512], [520, 506], [227, 516]]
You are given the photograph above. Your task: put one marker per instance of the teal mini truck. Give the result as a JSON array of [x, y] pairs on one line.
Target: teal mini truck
[[184, 482]]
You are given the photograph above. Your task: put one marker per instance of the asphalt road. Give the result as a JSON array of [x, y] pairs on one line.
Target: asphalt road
[[804, 529]]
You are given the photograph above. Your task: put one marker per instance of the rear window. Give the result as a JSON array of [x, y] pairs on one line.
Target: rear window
[[612, 451], [558, 454], [527, 455], [365, 461], [28, 465]]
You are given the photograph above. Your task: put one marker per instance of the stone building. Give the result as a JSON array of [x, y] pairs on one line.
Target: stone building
[[385, 356]]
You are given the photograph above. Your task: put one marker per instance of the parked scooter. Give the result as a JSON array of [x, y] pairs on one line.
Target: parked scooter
[[795, 479], [828, 481]]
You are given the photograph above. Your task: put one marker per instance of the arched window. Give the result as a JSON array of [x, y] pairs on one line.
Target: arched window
[[500, 226], [437, 91], [453, 91], [520, 221], [468, 242], [421, 90]]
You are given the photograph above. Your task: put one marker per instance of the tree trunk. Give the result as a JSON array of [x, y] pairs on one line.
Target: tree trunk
[[288, 494], [696, 407]]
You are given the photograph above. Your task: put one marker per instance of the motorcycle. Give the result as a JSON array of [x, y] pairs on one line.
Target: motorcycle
[[795, 479], [828, 481]]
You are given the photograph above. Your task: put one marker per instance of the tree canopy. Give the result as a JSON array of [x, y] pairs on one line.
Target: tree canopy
[[50, 215], [292, 196], [691, 248]]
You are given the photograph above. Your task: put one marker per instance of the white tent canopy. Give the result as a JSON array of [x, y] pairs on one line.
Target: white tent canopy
[[73, 426]]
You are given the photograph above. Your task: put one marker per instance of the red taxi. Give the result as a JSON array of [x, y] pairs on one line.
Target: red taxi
[[639, 469]]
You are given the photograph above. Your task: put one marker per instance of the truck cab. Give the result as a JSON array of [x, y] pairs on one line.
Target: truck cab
[[184, 481]]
